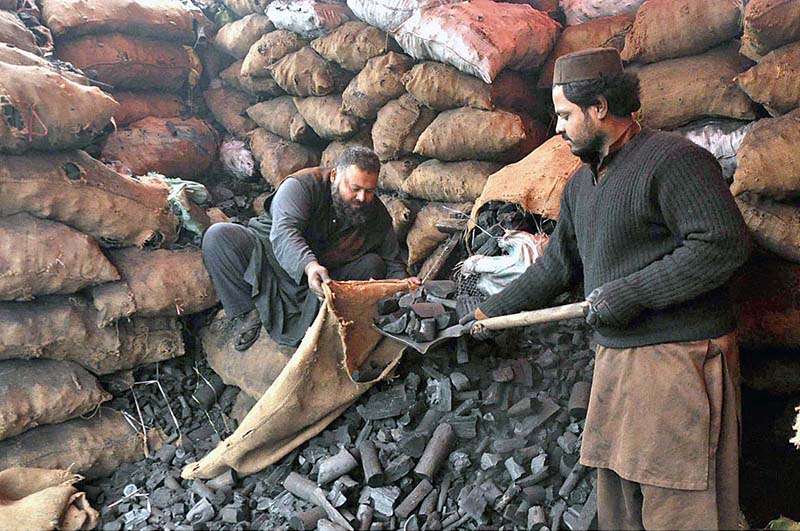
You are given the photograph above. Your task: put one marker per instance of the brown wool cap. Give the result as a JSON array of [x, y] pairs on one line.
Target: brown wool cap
[[588, 64]]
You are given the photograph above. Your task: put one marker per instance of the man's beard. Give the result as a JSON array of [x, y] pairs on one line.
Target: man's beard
[[591, 152], [348, 214]]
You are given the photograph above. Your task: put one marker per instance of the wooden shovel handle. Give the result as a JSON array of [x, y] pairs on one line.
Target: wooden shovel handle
[[546, 315]]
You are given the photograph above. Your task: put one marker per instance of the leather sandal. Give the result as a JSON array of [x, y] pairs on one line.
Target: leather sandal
[[249, 331]]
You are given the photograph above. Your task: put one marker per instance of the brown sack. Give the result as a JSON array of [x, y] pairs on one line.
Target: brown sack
[[247, 7], [769, 158], [170, 146], [63, 328], [606, 32], [775, 226], [402, 215], [133, 106], [304, 73], [775, 81], [664, 29], [229, 108], [235, 38], [46, 111], [124, 211], [36, 392], [315, 387], [279, 158], [156, 283], [128, 62], [93, 447], [471, 134], [441, 87], [13, 31], [42, 257], [456, 182], [15, 56], [324, 115], [769, 24], [44, 500], [398, 127], [352, 44], [269, 49], [376, 85], [335, 149], [678, 91], [233, 78], [424, 237], [279, 116], [394, 173]]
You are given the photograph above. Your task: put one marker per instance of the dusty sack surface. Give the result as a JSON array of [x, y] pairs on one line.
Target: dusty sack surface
[[304, 73], [398, 127], [13, 31], [235, 38], [402, 215], [268, 49], [352, 44], [775, 226], [133, 106], [279, 158], [375, 85], [279, 116], [331, 153], [442, 87], [324, 115], [16, 56], [394, 173], [775, 81], [769, 24], [455, 182], [229, 107], [246, 7], [424, 237]]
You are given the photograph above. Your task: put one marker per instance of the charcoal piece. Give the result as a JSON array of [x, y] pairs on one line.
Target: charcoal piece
[[522, 408], [459, 380], [474, 395], [384, 499], [427, 330], [407, 300], [443, 491], [413, 499], [514, 469], [473, 505], [503, 374], [465, 427], [466, 304], [523, 372], [366, 375], [579, 399], [398, 468], [459, 462], [479, 240], [364, 515], [440, 288], [450, 304], [373, 473], [489, 248], [226, 480], [394, 324], [490, 491], [462, 349], [568, 442], [506, 446], [413, 444], [201, 512], [490, 460], [386, 404], [428, 505], [446, 320], [588, 513], [427, 310], [435, 452], [547, 409], [493, 394], [336, 466], [387, 305], [412, 328], [547, 359], [508, 495], [536, 518], [535, 494], [572, 480], [429, 421], [556, 513]]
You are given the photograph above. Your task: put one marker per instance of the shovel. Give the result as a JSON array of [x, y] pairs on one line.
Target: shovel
[[546, 315]]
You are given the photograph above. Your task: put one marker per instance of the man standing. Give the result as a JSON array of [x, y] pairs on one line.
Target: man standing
[[649, 224], [320, 224]]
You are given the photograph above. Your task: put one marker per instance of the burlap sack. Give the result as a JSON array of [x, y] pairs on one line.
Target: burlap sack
[[304, 73], [606, 32], [455, 182], [12, 55], [768, 159], [677, 91], [133, 106], [128, 62], [535, 183], [36, 392], [471, 134], [324, 115], [775, 226], [8, 5], [389, 14], [315, 387], [279, 116], [402, 215], [230, 76], [42, 257], [775, 81], [665, 29], [257, 87], [279, 158], [580, 11], [235, 38], [162, 19], [376, 85], [155, 283], [308, 18], [242, 406], [46, 111], [13, 31], [124, 211], [424, 237], [269, 49], [352, 44], [442, 87], [93, 447], [171, 146], [229, 108], [66, 329], [334, 150], [398, 127], [769, 24], [41, 499], [247, 7], [394, 173]]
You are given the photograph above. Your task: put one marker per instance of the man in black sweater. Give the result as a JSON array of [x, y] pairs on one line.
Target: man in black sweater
[[650, 226]]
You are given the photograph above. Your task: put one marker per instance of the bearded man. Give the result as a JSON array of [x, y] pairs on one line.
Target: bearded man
[[320, 224]]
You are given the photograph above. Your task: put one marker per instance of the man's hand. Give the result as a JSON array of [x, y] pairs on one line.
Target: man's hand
[[317, 274], [414, 281], [470, 319], [605, 310]]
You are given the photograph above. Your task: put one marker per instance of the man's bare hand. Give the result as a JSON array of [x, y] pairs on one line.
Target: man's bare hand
[[317, 274], [414, 281]]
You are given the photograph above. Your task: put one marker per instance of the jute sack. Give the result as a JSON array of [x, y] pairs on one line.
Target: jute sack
[[242, 406], [46, 500], [235, 38], [125, 211], [246, 7], [36, 392], [395, 172], [42, 257], [389, 14], [13, 31], [704, 85], [269, 49], [233, 78], [279, 158], [480, 37], [352, 44], [128, 62], [324, 115], [455, 182], [402, 215], [44, 110], [606, 32], [775, 81], [93, 447], [376, 85], [471, 134], [229, 108], [580, 11], [769, 24], [664, 29], [768, 159], [66, 329], [133, 106], [171, 146], [304, 73], [309, 18], [316, 385], [279, 116], [398, 127], [775, 226], [442, 87], [424, 237], [8, 5], [334, 150], [155, 283], [16, 56]]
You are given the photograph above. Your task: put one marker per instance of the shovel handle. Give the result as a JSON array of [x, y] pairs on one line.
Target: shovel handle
[[547, 315]]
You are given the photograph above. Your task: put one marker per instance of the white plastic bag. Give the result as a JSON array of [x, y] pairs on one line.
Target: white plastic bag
[[721, 137], [309, 18], [237, 159], [520, 250], [389, 14], [579, 11]]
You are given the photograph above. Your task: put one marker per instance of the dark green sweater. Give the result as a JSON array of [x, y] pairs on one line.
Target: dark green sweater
[[660, 230]]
